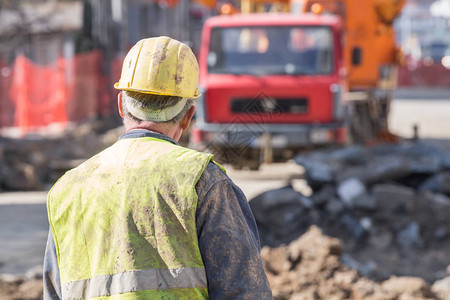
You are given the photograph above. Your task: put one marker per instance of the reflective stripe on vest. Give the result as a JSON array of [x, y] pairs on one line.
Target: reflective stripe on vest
[[136, 280], [124, 222]]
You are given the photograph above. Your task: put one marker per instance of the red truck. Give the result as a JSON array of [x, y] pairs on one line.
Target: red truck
[[271, 84]]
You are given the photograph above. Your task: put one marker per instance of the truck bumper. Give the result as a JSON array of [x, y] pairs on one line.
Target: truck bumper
[[257, 136]]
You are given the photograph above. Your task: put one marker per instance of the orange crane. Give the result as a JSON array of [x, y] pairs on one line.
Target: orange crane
[[371, 58]]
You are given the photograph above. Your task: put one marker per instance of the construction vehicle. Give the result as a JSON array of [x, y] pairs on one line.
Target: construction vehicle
[[275, 83], [371, 59]]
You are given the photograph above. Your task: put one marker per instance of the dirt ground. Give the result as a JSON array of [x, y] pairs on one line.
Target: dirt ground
[[311, 268], [21, 290]]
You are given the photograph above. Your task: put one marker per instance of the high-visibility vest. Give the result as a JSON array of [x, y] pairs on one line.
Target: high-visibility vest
[[123, 223]]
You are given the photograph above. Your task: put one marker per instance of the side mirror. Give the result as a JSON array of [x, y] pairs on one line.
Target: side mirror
[[356, 56]]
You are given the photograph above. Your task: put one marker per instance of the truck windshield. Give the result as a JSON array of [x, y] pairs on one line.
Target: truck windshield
[[264, 50]]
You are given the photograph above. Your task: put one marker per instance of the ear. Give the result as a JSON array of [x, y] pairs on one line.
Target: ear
[[184, 123], [120, 103]]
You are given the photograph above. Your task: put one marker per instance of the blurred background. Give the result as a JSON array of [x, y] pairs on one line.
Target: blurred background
[[66, 55], [351, 194]]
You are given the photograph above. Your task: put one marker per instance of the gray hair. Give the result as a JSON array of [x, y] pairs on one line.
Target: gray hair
[[153, 102]]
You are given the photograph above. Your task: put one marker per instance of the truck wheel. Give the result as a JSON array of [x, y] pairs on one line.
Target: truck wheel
[[361, 126], [369, 118]]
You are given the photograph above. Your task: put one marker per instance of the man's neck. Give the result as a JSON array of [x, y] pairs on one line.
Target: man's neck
[[170, 131]]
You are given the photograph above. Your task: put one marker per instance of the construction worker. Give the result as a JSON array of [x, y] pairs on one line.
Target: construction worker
[[147, 218]]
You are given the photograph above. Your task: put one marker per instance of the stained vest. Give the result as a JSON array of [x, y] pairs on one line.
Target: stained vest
[[123, 223]]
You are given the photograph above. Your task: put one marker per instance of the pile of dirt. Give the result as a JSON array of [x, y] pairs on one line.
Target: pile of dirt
[[311, 268], [23, 289], [389, 205]]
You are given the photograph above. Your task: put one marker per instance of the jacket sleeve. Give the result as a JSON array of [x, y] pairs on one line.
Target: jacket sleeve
[[51, 279], [228, 240]]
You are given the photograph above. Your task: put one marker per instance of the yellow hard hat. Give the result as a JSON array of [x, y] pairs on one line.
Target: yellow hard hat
[[161, 66]]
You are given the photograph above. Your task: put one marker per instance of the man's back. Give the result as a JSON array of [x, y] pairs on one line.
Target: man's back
[[129, 213]]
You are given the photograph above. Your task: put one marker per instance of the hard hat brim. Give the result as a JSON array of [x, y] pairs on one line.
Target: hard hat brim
[[118, 87]]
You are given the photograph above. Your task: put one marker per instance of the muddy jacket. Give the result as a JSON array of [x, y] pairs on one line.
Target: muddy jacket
[[127, 244]]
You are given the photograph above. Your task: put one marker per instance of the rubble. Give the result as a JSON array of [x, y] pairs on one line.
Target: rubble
[[23, 287], [393, 197], [388, 204], [349, 190], [35, 163], [311, 267], [409, 237]]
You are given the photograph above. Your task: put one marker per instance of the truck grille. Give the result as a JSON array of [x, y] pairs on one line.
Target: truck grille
[[267, 105]]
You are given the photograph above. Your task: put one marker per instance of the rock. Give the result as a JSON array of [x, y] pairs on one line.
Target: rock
[[306, 202], [439, 183], [335, 207], [384, 149], [394, 198], [382, 240], [349, 190], [279, 212], [409, 237], [351, 172], [354, 155], [324, 195], [433, 151], [363, 269], [320, 168], [424, 164], [386, 168], [319, 172], [365, 202], [441, 233], [408, 286], [436, 205], [366, 223], [440, 200], [442, 288], [353, 226], [282, 198]]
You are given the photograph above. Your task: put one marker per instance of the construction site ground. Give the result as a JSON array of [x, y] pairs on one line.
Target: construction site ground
[[24, 227]]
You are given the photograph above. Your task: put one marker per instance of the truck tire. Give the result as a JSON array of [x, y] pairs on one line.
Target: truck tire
[[369, 118], [362, 128]]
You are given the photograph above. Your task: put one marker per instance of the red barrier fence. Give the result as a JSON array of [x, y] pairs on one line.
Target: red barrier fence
[[421, 75], [33, 96]]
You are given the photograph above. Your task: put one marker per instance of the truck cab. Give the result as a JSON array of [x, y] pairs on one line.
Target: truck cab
[[271, 84]]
